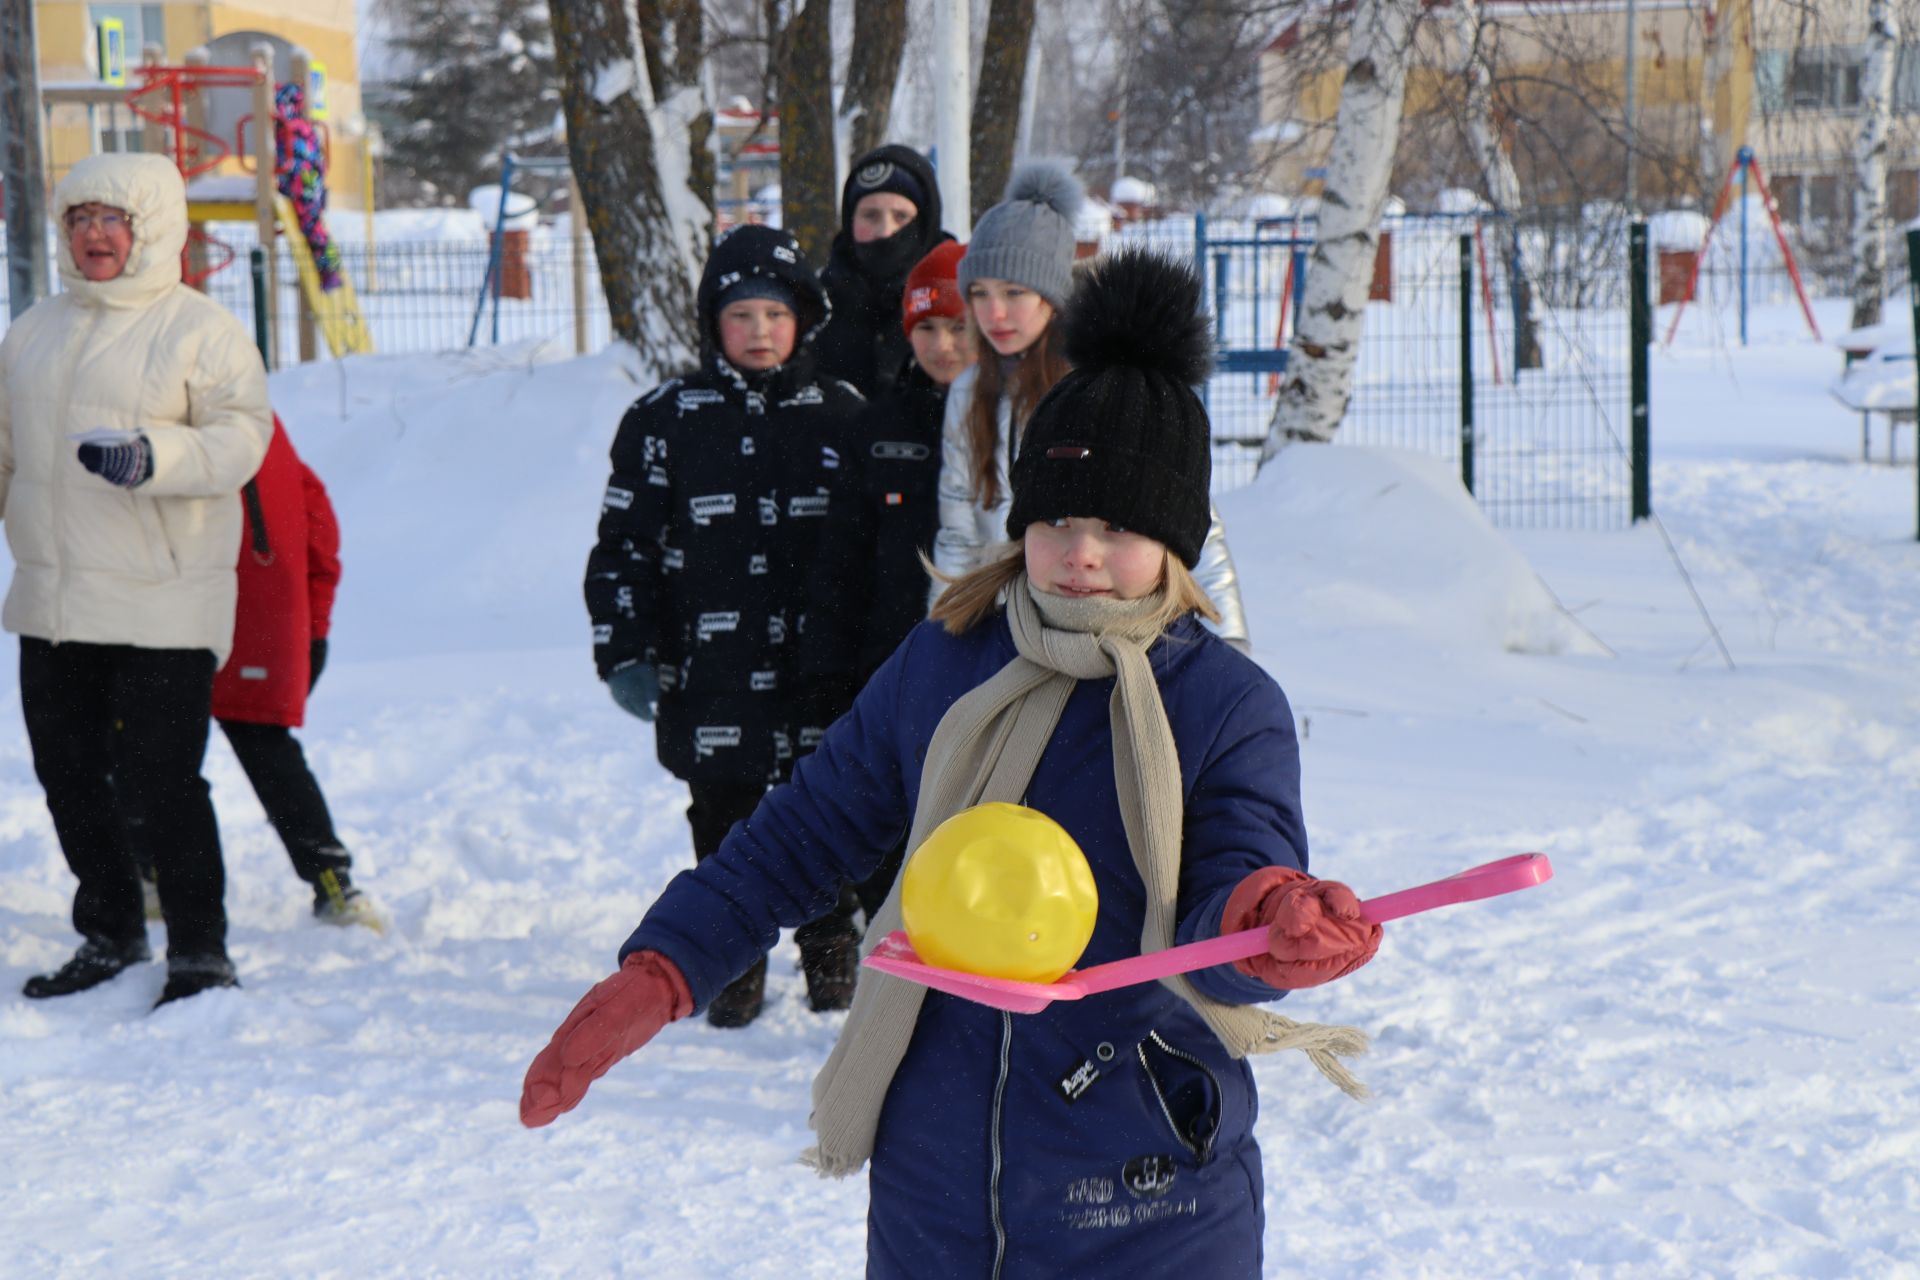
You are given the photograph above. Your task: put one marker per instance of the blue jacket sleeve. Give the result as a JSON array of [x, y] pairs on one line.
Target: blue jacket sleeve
[[845, 808], [1242, 814]]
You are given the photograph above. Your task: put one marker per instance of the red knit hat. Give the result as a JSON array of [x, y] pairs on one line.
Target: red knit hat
[[932, 286]]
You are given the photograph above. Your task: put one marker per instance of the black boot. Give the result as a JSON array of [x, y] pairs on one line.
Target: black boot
[[94, 963], [830, 957], [190, 975], [739, 1004]]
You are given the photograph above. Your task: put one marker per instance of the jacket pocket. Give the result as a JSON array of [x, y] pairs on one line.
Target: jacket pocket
[[154, 531], [1183, 1091]]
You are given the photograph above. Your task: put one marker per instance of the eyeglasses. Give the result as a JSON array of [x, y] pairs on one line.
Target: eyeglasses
[[106, 221]]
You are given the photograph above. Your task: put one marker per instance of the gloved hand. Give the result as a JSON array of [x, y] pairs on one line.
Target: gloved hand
[[316, 660], [1315, 933], [127, 465], [636, 688], [611, 1021]]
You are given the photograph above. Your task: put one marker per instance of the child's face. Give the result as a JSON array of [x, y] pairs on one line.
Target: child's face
[[1010, 316], [941, 348], [1081, 557], [880, 215], [757, 333]]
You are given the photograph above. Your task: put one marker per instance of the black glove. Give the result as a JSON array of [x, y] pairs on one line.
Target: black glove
[[316, 660], [127, 465]]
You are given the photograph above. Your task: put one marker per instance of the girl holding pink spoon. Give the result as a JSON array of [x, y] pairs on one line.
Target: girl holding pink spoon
[[1069, 673]]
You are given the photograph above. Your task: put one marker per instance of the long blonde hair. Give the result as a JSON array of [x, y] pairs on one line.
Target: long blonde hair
[[973, 597]]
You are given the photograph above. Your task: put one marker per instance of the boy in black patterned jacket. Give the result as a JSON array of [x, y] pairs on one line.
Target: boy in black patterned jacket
[[709, 558]]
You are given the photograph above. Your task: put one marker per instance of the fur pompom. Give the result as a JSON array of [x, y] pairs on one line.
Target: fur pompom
[[1047, 182], [1141, 309]]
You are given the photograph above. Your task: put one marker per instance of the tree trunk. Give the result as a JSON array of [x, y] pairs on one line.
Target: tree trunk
[[997, 98], [808, 177], [1366, 130], [873, 66], [633, 181], [1716, 63], [674, 32], [1870, 164], [1497, 174]]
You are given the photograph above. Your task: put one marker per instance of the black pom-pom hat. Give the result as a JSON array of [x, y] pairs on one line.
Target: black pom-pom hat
[[1123, 437]]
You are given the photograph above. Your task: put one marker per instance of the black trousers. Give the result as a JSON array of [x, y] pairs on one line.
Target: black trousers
[[271, 757], [118, 734], [716, 807]]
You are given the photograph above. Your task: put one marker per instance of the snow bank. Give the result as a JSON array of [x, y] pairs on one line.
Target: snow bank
[[468, 485], [1368, 538]]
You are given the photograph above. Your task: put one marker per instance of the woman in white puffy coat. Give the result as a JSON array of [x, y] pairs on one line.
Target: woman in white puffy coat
[[1015, 278], [132, 411]]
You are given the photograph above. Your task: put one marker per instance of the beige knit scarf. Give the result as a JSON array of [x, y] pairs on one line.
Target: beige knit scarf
[[986, 748]]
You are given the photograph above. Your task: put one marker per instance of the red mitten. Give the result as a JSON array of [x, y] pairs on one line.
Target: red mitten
[[1315, 933], [610, 1022]]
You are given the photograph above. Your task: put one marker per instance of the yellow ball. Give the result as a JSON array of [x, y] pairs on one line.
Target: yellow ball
[[1000, 890]]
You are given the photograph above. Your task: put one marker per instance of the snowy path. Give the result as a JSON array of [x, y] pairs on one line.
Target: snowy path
[[1695, 1053]]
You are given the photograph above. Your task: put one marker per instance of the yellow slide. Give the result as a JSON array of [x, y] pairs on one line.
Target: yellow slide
[[337, 311]]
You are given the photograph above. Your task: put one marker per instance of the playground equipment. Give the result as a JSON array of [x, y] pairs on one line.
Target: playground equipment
[[1746, 169], [173, 98], [501, 250]]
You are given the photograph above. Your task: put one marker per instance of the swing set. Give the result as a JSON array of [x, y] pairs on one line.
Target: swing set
[[1745, 170]]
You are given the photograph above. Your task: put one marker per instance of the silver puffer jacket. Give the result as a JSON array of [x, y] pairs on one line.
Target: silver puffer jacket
[[968, 529]]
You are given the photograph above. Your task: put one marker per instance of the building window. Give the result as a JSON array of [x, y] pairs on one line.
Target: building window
[[145, 24], [1827, 201], [1786, 200], [1810, 79], [1903, 195]]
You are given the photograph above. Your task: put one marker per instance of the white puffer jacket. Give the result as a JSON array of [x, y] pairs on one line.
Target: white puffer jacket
[[151, 566], [967, 529]]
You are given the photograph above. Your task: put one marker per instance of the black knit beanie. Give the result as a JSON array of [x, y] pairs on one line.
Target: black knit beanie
[[1123, 437]]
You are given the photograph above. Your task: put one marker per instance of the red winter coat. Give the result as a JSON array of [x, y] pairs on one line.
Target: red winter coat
[[286, 591]]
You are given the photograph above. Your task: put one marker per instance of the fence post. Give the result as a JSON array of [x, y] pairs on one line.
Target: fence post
[[1639, 340], [1913, 300], [257, 266], [1466, 360], [1746, 157]]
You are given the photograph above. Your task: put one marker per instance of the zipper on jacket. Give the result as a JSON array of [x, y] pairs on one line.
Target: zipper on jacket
[[1201, 1150], [993, 1176]]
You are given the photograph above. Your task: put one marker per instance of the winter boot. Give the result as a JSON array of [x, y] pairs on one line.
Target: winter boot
[[95, 962], [190, 975], [830, 957], [740, 1003], [336, 901]]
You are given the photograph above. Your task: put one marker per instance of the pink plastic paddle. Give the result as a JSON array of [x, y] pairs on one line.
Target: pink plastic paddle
[[896, 956]]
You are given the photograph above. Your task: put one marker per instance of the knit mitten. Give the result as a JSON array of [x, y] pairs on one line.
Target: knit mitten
[[1315, 932], [127, 465], [611, 1021]]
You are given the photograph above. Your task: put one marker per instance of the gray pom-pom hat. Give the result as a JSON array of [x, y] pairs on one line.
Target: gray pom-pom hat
[[1028, 237]]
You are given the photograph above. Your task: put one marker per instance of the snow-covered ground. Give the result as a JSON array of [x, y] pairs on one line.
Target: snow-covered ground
[[1695, 1052]]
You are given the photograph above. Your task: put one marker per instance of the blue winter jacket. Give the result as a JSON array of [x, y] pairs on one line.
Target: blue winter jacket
[[1110, 1135]]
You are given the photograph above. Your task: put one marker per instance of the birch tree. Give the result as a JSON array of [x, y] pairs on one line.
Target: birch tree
[[629, 154], [1716, 64], [1870, 164], [1319, 381]]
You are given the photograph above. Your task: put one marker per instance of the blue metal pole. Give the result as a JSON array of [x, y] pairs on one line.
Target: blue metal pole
[[499, 240], [1746, 156]]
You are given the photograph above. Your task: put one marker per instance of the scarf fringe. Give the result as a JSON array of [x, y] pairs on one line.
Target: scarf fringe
[[830, 1166], [1324, 1044]]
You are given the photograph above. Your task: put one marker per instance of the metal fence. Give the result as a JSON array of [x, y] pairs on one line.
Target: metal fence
[[425, 296], [1502, 347]]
